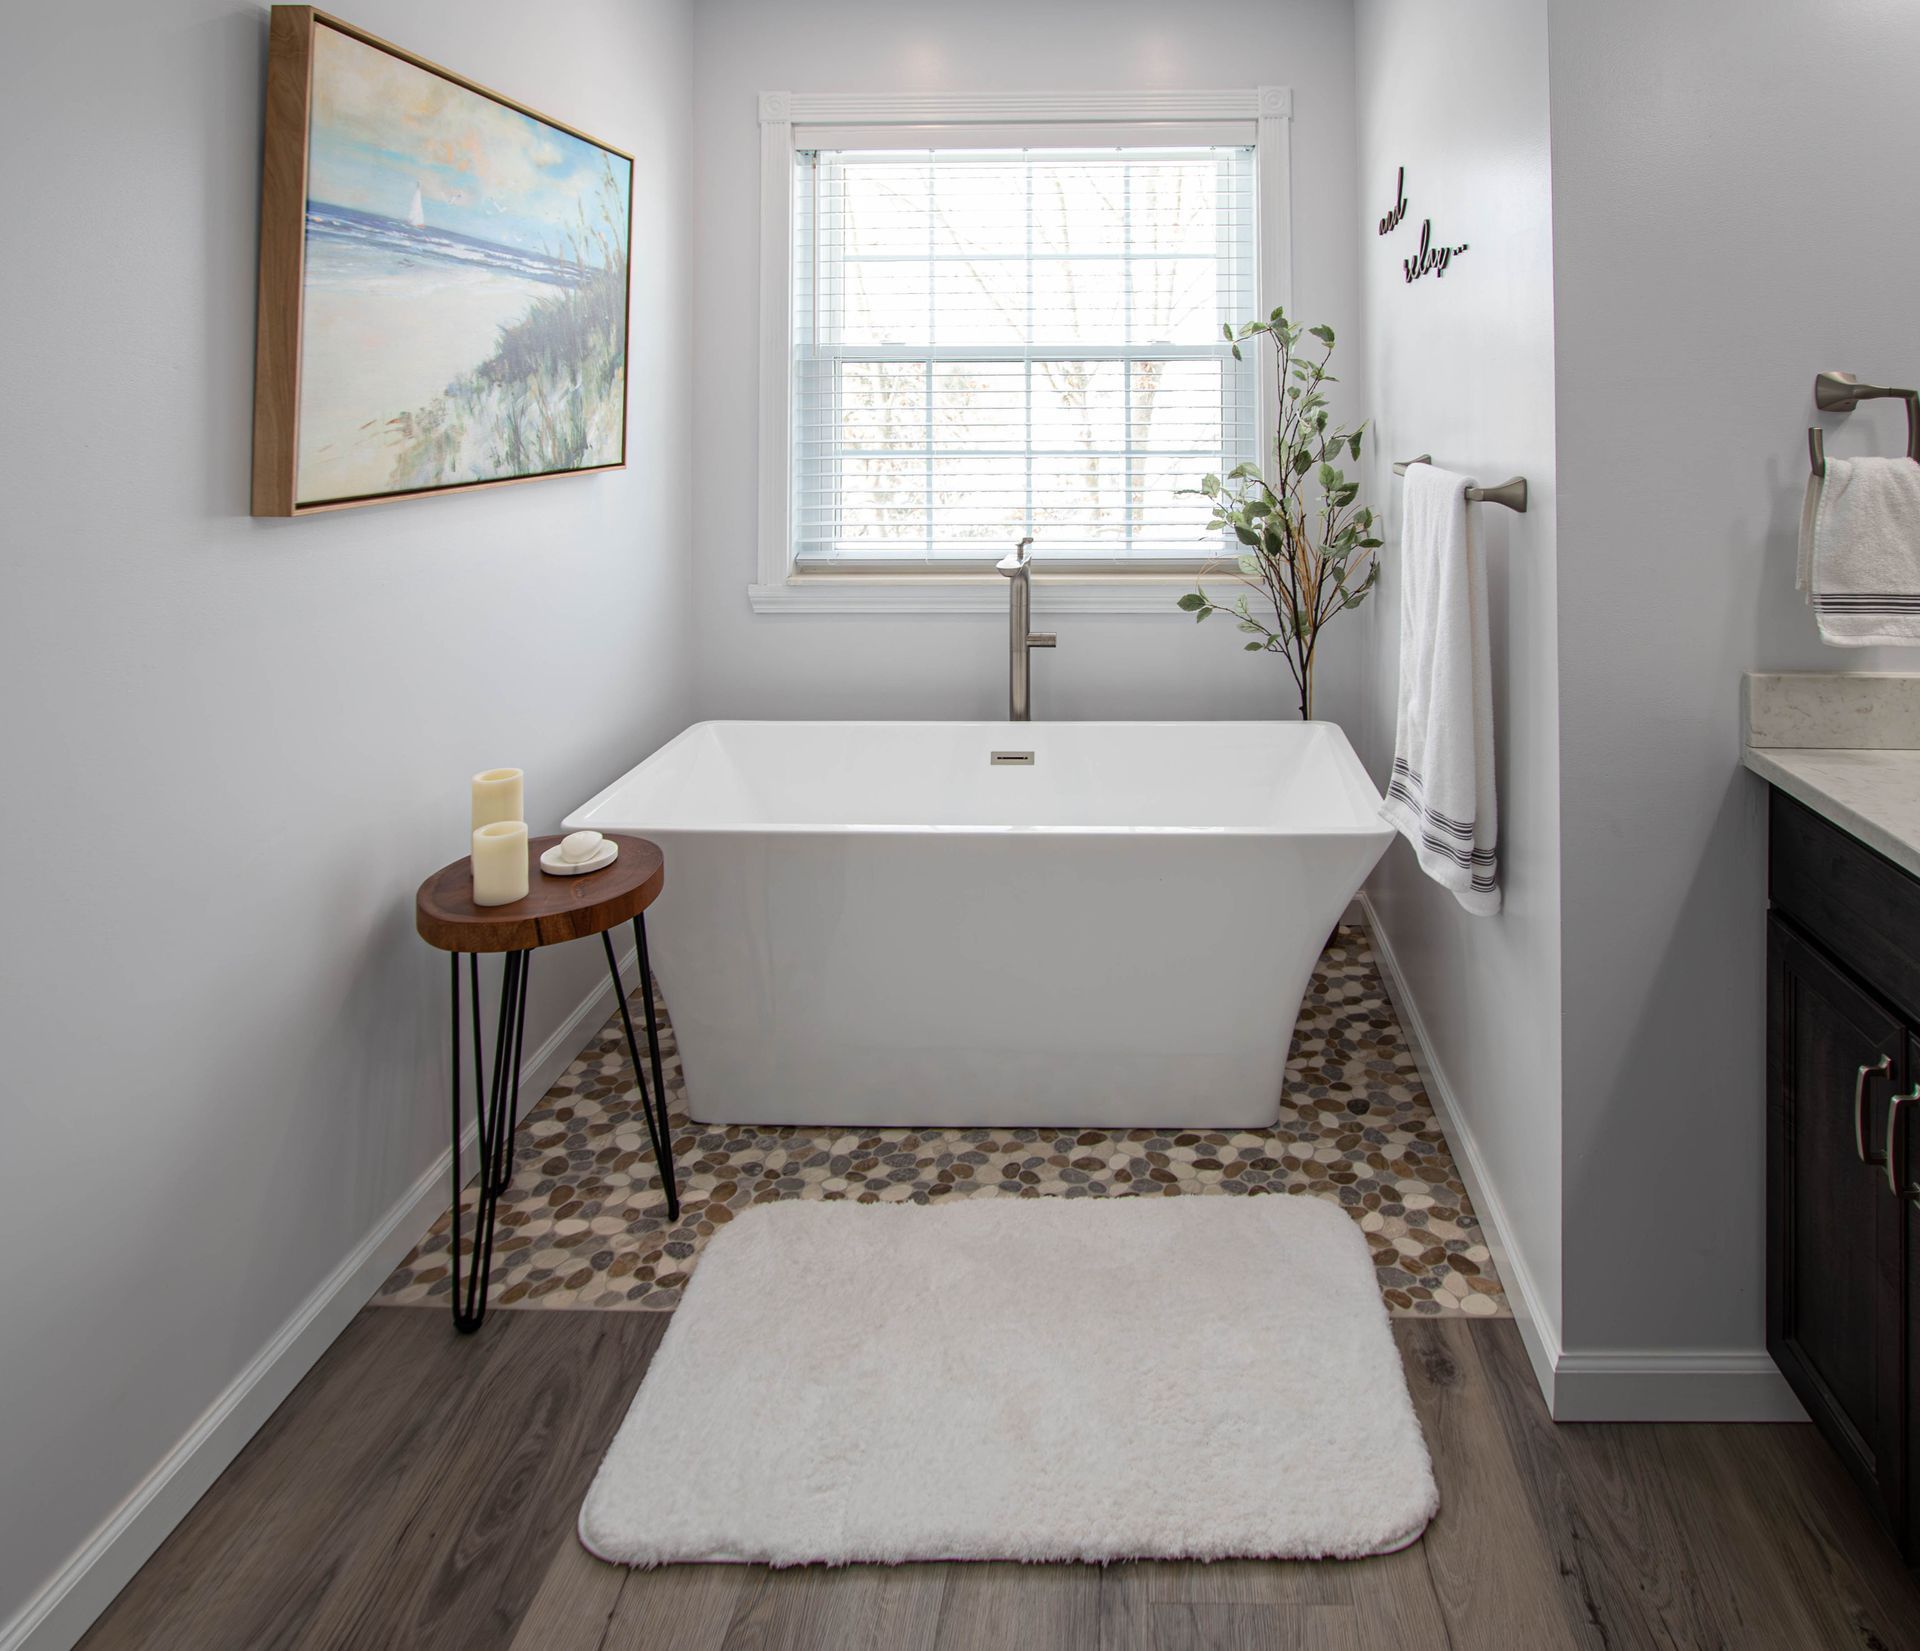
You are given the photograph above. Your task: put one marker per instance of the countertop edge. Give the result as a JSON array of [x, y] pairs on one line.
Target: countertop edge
[[1775, 765]]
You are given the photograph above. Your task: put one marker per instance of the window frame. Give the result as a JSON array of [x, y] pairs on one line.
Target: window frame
[[790, 122]]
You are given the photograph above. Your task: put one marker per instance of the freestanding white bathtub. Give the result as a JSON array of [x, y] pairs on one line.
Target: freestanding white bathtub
[[877, 923]]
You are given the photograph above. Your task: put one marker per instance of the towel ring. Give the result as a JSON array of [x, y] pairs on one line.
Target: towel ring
[[1841, 393]]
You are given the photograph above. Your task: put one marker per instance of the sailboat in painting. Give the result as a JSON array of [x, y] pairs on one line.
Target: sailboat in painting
[[417, 213]]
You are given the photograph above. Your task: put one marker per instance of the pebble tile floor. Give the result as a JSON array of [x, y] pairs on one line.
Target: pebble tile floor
[[583, 1224]]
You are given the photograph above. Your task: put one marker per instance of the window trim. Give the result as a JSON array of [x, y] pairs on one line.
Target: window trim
[[781, 587]]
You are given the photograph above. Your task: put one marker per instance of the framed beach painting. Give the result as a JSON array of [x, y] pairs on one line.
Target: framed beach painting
[[443, 281]]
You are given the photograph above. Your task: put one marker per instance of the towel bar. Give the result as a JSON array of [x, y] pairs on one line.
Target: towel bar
[[1841, 393], [1512, 493]]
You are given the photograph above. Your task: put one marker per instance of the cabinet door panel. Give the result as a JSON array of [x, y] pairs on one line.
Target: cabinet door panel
[[1905, 1294], [1834, 1324]]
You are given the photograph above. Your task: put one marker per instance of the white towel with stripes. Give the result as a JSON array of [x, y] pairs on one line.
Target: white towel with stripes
[[1441, 795], [1860, 552]]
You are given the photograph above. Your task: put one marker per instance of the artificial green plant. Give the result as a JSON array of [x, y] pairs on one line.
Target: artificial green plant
[[1307, 544]]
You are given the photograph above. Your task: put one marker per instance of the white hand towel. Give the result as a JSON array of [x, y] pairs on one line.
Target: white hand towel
[[1441, 795], [1860, 552]]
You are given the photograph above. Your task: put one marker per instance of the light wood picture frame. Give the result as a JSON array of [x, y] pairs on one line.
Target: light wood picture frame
[[444, 281]]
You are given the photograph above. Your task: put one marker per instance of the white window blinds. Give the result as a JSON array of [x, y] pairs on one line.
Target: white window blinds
[[992, 343]]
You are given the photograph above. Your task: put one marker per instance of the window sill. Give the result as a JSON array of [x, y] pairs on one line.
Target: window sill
[[974, 593]]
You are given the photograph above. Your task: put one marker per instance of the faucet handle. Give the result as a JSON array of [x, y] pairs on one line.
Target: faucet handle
[[1018, 561], [1042, 639]]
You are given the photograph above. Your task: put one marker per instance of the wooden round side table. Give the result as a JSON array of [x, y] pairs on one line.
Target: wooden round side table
[[555, 909]]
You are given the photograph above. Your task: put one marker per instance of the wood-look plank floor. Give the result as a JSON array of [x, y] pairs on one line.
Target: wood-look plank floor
[[419, 1489]]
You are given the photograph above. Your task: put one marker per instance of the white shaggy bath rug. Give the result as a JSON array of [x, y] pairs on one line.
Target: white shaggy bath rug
[[1021, 1378]]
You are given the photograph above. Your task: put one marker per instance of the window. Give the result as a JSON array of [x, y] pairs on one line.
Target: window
[[985, 317], [997, 315], [996, 343]]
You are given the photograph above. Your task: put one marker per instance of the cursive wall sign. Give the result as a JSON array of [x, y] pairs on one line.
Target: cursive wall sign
[[1430, 259], [1391, 221]]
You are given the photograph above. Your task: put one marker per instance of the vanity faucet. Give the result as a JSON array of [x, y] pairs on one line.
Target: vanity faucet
[[1019, 571]]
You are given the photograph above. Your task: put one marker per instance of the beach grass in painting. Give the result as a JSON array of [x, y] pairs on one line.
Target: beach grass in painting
[[464, 306]]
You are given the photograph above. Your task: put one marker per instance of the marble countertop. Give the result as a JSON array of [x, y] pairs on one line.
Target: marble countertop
[[1847, 744], [1874, 795]]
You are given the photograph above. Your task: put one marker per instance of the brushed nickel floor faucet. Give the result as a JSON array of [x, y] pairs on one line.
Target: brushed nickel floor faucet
[[1019, 571]]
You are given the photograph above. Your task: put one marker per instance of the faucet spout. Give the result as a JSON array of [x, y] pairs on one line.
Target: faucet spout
[[1021, 636]]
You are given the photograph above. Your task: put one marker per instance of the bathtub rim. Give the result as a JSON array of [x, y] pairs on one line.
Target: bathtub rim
[[579, 818]]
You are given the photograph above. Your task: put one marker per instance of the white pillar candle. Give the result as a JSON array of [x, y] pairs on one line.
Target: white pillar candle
[[500, 863], [497, 796]]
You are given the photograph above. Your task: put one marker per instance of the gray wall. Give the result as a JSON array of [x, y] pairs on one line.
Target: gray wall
[[233, 748], [1461, 366], [922, 665], [1720, 235]]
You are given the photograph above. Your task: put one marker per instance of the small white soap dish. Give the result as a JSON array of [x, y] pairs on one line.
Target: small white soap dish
[[582, 852]]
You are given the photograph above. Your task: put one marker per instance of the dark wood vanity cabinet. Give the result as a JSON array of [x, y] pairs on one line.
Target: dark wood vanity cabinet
[[1843, 1245]]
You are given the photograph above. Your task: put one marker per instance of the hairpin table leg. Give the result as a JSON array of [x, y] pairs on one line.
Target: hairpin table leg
[[653, 1042], [495, 1116], [503, 1150], [660, 1130]]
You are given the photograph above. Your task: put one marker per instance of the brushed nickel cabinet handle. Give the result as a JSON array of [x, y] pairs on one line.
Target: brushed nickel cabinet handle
[[1880, 1069], [1893, 1137]]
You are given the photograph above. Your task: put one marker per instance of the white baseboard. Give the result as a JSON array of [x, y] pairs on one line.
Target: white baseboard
[[1733, 1384], [1538, 1333], [63, 1609], [1679, 1384]]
